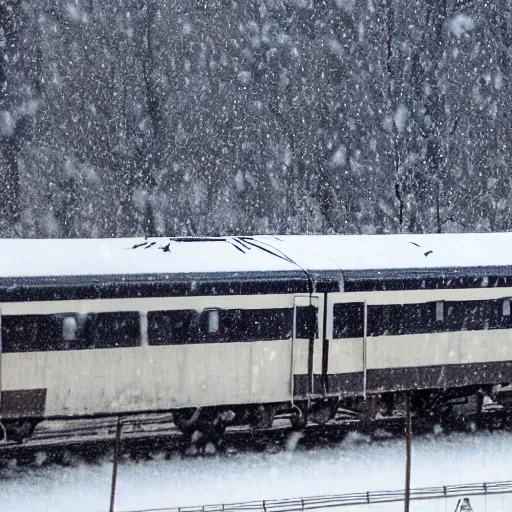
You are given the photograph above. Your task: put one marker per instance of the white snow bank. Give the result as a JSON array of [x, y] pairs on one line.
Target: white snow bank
[[351, 466]]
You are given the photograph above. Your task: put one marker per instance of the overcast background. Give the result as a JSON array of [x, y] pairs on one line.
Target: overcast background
[[205, 117]]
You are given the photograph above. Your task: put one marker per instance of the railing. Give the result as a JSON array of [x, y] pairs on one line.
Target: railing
[[343, 500]]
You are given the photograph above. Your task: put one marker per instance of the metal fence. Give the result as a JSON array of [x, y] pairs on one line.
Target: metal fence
[[343, 500]]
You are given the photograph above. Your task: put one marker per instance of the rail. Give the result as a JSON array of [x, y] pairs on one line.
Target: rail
[[343, 500]]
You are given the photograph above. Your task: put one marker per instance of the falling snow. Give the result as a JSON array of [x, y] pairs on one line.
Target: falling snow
[[355, 465], [461, 24], [213, 117]]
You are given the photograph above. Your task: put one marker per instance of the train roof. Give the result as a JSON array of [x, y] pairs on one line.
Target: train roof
[[264, 253], [408, 252], [53, 269]]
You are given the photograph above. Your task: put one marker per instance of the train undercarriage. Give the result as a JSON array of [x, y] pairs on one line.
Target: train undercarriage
[[204, 427], [443, 409]]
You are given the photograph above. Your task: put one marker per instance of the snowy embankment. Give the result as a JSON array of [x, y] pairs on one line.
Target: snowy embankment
[[353, 465]]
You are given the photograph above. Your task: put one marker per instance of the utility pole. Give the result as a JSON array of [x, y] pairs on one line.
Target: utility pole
[[114, 470], [408, 436]]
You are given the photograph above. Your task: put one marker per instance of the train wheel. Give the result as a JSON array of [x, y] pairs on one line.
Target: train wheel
[[187, 419], [262, 417], [213, 423], [204, 428], [19, 430], [322, 411]]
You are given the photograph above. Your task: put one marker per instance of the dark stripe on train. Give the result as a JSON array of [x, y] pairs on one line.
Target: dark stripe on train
[[422, 318], [248, 283], [439, 376], [37, 333], [427, 279], [304, 385], [163, 285], [19, 403], [421, 377], [345, 383]]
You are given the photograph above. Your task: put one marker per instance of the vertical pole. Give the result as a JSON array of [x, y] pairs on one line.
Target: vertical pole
[[0, 368], [365, 332], [292, 361], [408, 433], [114, 470], [479, 407]]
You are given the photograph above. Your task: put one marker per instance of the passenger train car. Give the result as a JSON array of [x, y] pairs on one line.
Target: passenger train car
[[249, 326]]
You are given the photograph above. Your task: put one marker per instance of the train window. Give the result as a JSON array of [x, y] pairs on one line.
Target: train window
[[213, 321], [111, 330], [402, 319], [254, 324], [348, 320], [471, 315], [265, 324], [440, 311], [476, 316], [218, 326], [306, 322], [417, 318], [439, 316], [506, 307], [172, 327], [232, 325], [31, 333]]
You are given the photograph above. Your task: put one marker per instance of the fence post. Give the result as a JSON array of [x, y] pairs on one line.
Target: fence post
[[408, 432], [114, 469]]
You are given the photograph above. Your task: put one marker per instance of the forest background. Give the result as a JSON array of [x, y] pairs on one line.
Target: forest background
[[206, 117]]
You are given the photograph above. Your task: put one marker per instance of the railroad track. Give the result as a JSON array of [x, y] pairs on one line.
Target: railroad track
[[145, 435]]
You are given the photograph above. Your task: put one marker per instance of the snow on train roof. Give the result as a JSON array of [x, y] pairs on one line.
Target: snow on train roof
[[73, 257], [55, 257], [365, 252]]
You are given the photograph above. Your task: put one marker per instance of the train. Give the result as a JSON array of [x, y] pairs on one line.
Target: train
[[221, 330]]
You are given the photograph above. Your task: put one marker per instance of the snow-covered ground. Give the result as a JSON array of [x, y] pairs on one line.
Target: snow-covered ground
[[353, 465]]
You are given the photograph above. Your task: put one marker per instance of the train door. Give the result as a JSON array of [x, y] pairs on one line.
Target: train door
[[345, 346], [305, 343]]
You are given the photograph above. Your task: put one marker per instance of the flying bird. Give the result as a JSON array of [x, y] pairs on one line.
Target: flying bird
[[166, 248], [428, 252]]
